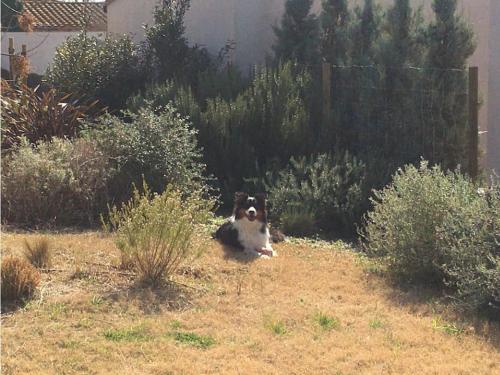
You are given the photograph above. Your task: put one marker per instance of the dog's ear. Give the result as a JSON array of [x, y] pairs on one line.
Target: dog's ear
[[261, 199], [240, 197]]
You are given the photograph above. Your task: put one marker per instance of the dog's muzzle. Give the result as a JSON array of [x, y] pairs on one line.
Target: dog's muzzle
[[251, 214]]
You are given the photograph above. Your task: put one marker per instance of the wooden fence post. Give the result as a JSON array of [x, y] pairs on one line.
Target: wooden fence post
[[327, 91], [11, 58], [473, 122]]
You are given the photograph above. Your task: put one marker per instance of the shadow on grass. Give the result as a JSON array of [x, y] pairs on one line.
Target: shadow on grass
[[152, 300], [431, 300]]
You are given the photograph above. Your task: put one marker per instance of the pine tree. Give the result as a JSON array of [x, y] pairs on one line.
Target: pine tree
[[399, 53], [364, 76], [297, 36], [335, 19], [450, 42]]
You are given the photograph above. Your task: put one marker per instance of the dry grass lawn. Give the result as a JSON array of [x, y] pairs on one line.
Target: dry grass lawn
[[315, 309]]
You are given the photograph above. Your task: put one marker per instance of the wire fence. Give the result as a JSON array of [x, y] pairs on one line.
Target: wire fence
[[404, 113]]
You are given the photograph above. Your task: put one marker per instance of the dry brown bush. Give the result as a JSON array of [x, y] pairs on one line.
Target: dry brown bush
[[19, 279]]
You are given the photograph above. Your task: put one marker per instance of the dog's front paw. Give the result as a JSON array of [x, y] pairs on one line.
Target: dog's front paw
[[266, 251]]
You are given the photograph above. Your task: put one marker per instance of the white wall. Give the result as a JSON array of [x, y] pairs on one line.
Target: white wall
[[41, 47], [129, 16]]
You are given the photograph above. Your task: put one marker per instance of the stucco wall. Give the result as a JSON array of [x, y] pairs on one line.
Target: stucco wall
[[41, 47], [129, 16]]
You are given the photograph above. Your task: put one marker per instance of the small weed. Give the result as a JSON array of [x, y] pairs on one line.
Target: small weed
[[175, 324], [198, 341], [131, 334], [450, 329], [376, 323], [97, 301], [67, 344], [277, 327], [56, 310], [327, 322]]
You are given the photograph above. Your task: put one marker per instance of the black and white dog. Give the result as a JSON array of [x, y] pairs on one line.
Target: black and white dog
[[247, 228]]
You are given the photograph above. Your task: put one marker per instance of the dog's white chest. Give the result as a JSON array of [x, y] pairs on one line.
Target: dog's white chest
[[253, 235]]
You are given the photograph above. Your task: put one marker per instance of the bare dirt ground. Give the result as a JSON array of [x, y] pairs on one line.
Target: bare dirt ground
[[317, 308]]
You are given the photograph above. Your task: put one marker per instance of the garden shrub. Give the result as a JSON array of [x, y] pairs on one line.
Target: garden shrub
[[156, 232], [471, 241], [269, 122], [60, 182], [19, 279], [38, 115], [157, 146], [408, 216], [331, 188], [108, 69]]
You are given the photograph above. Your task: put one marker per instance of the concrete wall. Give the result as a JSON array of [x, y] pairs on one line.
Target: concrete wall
[[129, 17], [41, 47]]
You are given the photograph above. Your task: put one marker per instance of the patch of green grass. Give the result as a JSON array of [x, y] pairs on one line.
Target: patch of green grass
[[131, 334], [56, 310], [277, 327], [68, 344], [327, 322], [193, 339], [376, 323], [175, 324], [97, 300], [448, 328]]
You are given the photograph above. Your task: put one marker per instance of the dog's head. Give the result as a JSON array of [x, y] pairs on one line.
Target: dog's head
[[253, 208]]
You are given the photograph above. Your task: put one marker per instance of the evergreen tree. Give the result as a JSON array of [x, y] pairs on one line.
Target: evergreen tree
[[450, 43], [297, 36], [335, 19], [400, 52], [366, 33], [364, 76]]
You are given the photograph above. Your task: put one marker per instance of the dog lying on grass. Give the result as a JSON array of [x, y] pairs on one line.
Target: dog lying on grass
[[247, 228]]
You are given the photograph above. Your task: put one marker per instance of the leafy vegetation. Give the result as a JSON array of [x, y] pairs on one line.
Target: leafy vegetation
[[434, 227], [156, 232], [107, 70], [60, 182], [40, 116]]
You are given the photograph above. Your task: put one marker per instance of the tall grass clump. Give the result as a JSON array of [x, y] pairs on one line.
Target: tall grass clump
[[156, 232], [19, 279], [38, 252], [435, 228]]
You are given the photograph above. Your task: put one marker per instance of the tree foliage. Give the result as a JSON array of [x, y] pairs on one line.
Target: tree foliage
[[297, 36]]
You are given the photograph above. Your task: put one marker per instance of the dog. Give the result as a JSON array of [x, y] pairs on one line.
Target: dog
[[247, 228]]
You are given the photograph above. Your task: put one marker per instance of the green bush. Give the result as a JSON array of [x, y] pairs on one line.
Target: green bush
[[408, 215], [108, 69], [471, 237], [60, 182], [159, 147], [156, 232], [329, 187], [434, 227]]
